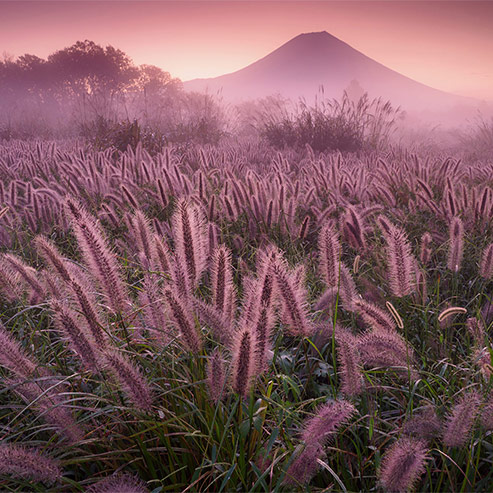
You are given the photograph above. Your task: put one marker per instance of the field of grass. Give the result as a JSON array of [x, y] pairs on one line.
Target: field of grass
[[236, 318]]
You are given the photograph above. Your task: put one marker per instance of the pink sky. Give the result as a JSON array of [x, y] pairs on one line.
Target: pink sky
[[447, 45]]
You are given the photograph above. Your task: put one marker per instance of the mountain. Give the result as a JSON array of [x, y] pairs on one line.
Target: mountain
[[305, 63]]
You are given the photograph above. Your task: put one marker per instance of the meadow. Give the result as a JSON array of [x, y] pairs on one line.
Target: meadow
[[233, 317]]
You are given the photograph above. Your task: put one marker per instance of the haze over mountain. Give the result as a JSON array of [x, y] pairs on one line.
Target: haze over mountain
[[305, 63]]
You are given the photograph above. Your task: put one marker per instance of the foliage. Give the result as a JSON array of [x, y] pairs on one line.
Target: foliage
[[342, 125]]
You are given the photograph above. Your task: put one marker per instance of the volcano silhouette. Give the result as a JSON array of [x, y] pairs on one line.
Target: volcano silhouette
[[311, 61]]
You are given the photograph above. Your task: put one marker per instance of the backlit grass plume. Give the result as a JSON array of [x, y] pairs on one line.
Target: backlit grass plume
[[143, 237], [72, 328], [293, 299], [190, 239], [216, 376], [130, 379], [13, 356], [243, 362], [28, 464], [223, 290], [317, 431], [329, 251], [400, 262], [456, 244], [328, 418], [424, 425], [119, 483], [373, 316], [403, 465], [27, 275], [386, 349], [461, 420], [486, 265], [99, 258], [349, 361], [180, 313]]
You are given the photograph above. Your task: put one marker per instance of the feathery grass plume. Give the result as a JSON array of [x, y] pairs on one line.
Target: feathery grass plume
[[424, 425], [213, 233], [486, 265], [163, 255], [328, 418], [89, 309], [100, 259], [80, 288], [425, 251], [386, 349], [151, 301], [9, 283], [49, 252], [461, 420], [293, 296], [243, 361], [403, 465], [395, 314], [143, 236], [223, 290], [119, 483], [207, 314], [260, 292], [3, 211], [28, 464], [477, 331], [130, 379], [130, 197], [456, 244], [349, 360], [180, 279], [262, 330], [305, 225], [400, 262], [28, 275], [216, 376], [373, 316], [487, 413], [330, 251], [267, 283], [385, 225], [190, 240], [70, 325], [13, 357], [353, 229], [180, 314], [326, 302], [50, 405], [450, 311], [52, 284], [304, 467], [347, 289]]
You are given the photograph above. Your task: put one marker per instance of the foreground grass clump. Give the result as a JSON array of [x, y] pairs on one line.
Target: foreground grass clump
[[227, 319]]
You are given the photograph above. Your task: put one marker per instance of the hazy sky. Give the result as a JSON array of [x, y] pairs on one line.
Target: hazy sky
[[447, 45]]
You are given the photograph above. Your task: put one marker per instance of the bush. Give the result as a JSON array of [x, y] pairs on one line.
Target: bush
[[333, 125], [103, 134]]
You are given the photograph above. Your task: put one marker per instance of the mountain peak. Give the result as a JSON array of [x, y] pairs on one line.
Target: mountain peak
[[310, 60], [317, 34], [317, 37]]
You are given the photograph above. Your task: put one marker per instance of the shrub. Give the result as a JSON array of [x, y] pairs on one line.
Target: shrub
[[342, 125]]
